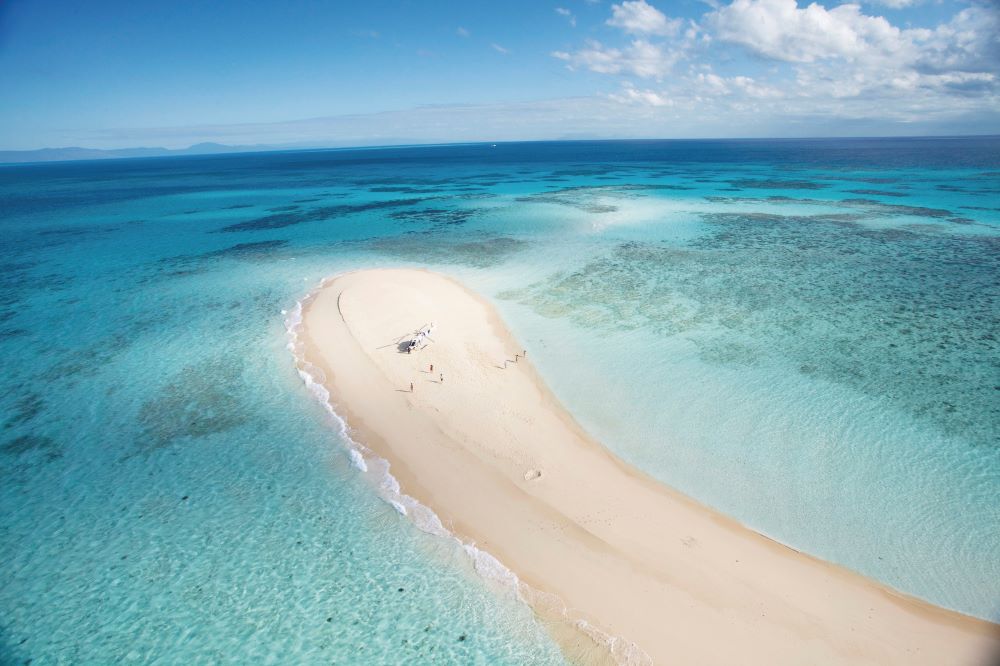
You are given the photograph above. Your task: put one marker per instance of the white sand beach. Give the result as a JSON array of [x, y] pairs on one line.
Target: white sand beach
[[507, 468]]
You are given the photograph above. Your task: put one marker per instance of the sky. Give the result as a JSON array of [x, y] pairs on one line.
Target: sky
[[115, 74]]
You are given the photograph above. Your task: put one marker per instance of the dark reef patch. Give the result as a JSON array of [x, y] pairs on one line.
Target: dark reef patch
[[26, 407], [876, 180], [428, 247], [30, 444], [17, 281], [258, 250], [200, 400], [79, 231], [600, 170], [878, 193], [474, 196], [280, 220], [878, 207], [403, 189], [193, 264], [438, 218], [776, 184], [865, 207]]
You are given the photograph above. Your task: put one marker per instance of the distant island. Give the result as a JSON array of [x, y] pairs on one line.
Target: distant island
[[206, 148], [77, 153]]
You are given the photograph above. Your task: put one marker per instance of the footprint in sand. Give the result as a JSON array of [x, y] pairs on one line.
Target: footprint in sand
[[532, 474]]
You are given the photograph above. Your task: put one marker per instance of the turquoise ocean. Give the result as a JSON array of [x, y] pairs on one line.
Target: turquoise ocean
[[802, 334]]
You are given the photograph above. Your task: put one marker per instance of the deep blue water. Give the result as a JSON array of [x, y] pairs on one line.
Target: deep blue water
[[799, 333]]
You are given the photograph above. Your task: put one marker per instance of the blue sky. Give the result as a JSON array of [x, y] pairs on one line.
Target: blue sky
[[118, 74]]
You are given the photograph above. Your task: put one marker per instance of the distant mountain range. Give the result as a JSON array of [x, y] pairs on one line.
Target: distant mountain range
[[76, 153], [62, 154]]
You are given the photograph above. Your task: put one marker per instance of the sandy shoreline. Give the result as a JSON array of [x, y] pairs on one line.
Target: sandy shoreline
[[505, 467]]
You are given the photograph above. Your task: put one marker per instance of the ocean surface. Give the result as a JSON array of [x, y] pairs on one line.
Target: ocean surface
[[802, 334]]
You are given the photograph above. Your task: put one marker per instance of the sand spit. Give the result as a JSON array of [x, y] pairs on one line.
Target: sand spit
[[482, 442]]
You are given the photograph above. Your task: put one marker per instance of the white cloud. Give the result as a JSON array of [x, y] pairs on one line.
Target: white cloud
[[842, 52], [637, 17], [462, 32], [654, 49], [640, 58], [755, 89], [710, 84], [499, 49], [632, 95], [969, 42], [707, 83], [836, 62], [562, 11], [778, 29]]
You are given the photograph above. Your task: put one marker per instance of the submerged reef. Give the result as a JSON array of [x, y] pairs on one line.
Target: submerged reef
[[433, 248], [200, 400], [875, 309], [291, 218]]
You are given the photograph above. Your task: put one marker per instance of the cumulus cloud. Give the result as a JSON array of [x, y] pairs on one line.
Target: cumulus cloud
[[632, 95], [842, 52], [640, 58], [655, 44], [708, 83], [562, 11], [778, 29], [637, 17], [837, 61], [969, 42]]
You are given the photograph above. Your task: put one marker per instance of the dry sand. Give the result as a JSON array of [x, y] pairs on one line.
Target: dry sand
[[505, 467]]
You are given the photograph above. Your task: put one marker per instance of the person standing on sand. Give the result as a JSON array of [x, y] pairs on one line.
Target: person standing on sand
[[432, 368], [411, 387], [442, 378]]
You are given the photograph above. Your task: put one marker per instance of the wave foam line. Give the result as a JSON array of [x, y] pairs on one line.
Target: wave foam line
[[376, 469]]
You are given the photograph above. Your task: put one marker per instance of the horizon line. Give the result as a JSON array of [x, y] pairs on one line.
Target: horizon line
[[231, 149]]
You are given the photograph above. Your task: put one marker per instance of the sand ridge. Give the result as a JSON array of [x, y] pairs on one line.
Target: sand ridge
[[484, 443]]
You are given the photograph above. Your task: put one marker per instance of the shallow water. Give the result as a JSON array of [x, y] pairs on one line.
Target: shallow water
[[799, 333]]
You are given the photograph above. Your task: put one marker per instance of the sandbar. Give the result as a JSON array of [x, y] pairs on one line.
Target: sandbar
[[596, 543]]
